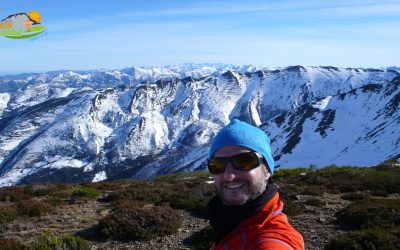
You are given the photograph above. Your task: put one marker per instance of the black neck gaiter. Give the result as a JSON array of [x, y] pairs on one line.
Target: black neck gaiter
[[224, 218]]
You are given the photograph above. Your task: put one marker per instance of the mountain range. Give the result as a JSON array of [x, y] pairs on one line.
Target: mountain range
[[140, 122]]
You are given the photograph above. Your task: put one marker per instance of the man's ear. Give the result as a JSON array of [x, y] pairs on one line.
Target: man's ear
[[267, 175]]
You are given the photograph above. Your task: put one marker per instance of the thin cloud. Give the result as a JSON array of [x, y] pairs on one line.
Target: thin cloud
[[198, 11], [364, 10], [281, 10], [349, 8]]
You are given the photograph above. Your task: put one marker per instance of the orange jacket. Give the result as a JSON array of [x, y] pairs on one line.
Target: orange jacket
[[268, 229]]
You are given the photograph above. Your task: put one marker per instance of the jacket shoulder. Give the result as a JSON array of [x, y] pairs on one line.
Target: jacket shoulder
[[273, 230]]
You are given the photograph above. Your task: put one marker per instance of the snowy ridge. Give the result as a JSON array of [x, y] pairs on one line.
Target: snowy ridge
[[353, 128], [142, 122]]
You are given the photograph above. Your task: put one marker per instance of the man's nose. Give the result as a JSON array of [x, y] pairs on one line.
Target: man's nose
[[230, 172]]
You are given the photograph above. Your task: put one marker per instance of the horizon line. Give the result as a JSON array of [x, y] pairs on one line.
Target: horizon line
[[19, 72]]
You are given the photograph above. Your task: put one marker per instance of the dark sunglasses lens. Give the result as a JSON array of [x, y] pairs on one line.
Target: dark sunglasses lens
[[245, 161], [216, 166]]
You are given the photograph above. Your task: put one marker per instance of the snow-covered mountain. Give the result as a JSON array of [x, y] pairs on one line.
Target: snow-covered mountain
[[359, 127], [141, 122]]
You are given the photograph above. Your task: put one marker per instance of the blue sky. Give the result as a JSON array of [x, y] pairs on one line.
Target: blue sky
[[118, 34]]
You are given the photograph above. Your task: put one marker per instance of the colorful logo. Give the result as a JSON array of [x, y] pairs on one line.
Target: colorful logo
[[22, 25]]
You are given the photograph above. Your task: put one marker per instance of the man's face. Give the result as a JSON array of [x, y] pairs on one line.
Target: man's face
[[236, 187]]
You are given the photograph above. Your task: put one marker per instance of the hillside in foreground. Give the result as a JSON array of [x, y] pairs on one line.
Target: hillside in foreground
[[334, 208]]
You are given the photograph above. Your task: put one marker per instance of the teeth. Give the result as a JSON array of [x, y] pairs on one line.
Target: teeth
[[233, 186]]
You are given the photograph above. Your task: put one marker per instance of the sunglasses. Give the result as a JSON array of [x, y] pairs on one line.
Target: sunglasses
[[245, 161]]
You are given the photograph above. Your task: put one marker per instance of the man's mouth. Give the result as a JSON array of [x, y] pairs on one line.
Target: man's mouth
[[232, 186]]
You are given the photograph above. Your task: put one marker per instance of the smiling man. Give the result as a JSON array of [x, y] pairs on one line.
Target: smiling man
[[247, 211]]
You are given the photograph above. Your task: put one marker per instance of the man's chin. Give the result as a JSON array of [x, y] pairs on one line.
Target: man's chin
[[237, 200], [233, 203], [238, 197], [234, 196]]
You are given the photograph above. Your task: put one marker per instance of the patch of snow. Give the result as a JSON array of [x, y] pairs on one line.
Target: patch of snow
[[100, 176], [65, 92], [11, 144], [321, 104], [4, 99], [65, 162]]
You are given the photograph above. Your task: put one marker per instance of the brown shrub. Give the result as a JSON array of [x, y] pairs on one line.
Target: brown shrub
[[47, 189], [191, 193], [59, 197], [366, 239], [381, 180], [128, 223], [315, 202], [128, 204], [33, 208], [8, 213], [14, 194], [288, 189], [11, 245], [371, 213], [312, 190], [353, 196], [291, 208], [200, 240]]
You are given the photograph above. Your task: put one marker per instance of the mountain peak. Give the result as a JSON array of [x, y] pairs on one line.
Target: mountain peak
[[141, 122]]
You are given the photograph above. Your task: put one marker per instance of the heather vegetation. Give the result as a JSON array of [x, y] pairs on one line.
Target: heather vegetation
[[371, 220], [364, 204], [86, 192], [182, 191], [381, 180], [60, 242], [27, 208], [48, 242], [128, 221]]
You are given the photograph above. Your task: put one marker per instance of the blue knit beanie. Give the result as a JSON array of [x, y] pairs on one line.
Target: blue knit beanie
[[238, 133]]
